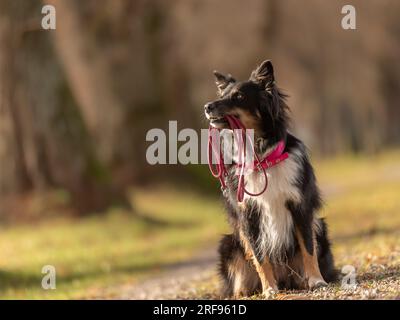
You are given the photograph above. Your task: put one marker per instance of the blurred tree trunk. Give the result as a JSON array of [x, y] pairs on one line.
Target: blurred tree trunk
[[14, 170], [23, 168], [21, 143], [88, 77], [91, 85], [36, 150]]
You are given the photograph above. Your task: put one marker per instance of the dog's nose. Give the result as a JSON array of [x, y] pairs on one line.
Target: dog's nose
[[209, 106]]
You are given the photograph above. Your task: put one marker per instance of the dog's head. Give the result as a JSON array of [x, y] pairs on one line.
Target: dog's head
[[256, 102]]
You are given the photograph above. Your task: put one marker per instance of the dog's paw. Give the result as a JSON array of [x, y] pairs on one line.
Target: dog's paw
[[316, 283], [269, 293]]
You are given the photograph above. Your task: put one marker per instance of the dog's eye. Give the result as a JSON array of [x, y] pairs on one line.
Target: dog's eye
[[238, 96]]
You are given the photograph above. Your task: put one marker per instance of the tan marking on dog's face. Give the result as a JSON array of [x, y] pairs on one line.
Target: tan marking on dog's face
[[240, 99], [250, 121]]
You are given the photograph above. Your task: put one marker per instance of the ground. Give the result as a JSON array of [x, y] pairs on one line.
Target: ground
[[169, 251]]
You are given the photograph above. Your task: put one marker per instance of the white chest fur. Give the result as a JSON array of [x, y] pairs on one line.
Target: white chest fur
[[276, 224]]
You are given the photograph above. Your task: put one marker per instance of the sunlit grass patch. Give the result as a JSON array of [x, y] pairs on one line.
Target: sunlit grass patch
[[101, 251]]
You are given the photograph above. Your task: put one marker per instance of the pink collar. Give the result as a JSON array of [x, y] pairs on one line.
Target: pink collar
[[277, 155]]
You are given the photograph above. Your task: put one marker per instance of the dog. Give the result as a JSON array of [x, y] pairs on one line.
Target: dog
[[278, 240]]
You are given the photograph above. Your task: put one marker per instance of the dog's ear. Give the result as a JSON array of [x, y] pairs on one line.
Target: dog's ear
[[222, 81], [263, 75]]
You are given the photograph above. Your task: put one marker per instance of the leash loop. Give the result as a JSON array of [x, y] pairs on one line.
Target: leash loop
[[220, 172]]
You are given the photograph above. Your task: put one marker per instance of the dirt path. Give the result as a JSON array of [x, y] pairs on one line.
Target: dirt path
[[178, 281], [197, 279]]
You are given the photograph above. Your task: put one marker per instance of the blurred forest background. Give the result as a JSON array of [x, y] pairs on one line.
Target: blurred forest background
[[76, 102]]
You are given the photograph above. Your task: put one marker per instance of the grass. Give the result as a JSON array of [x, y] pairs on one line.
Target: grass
[[94, 256]]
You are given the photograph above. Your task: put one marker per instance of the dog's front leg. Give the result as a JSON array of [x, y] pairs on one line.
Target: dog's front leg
[[266, 274], [308, 248], [264, 269], [306, 237]]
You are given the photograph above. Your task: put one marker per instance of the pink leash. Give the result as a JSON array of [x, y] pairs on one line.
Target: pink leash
[[276, 156]]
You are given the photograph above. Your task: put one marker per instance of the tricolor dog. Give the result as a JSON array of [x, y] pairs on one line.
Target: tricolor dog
[[277, 241]]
